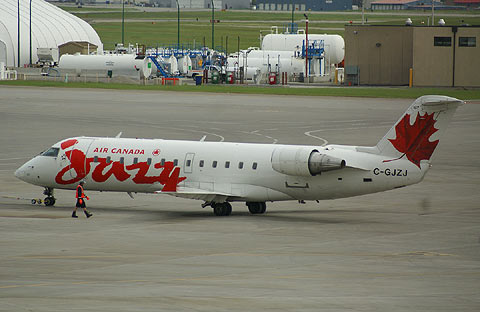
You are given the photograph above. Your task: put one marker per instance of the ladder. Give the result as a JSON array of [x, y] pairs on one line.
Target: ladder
[[160, 68]]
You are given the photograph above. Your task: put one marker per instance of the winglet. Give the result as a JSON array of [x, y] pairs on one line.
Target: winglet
[[118, 135]]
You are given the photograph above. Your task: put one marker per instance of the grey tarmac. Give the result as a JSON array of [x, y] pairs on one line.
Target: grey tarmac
[[411, 249]]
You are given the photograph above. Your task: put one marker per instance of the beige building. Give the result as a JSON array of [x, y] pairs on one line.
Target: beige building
[[73, 47], [439, 56]]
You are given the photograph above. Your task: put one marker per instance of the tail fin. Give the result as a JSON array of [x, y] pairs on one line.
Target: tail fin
[[416, 134]]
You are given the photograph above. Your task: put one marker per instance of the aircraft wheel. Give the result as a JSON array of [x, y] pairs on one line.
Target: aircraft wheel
[[257, 208], [49, 201], [228, 208], [39, 201], [222, 209], [263, 207], [33, 201]]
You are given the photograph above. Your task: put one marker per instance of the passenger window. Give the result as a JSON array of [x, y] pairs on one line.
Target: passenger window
[[162, 162], [254, 166], [227, 164], [240, 165], [175, 162], [135, 160], [122, 160], [95, 159], [149, 161], [51, 152], [214, 164], [108, 160], [201, 163], [189, 162]]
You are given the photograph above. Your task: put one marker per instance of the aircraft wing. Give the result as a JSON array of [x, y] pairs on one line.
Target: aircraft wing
[[195, 193]]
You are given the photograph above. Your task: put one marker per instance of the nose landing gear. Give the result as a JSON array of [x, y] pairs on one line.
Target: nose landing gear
[[49, 200]]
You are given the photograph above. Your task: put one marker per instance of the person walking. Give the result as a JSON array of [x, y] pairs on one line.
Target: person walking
[[80, 195]]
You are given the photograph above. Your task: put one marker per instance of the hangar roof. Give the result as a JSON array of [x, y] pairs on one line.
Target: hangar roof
[[51, 27]]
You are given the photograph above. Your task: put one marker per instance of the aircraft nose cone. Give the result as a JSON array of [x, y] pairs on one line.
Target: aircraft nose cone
[[20, 173]]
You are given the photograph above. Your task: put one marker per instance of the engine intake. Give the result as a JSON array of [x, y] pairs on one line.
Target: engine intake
[[304, 161]]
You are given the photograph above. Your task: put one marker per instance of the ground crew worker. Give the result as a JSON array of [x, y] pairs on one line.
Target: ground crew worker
[[80, 195]]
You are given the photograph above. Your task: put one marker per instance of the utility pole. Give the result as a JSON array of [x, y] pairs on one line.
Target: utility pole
[[306, 45], [293, 10], [213, 26], [18, 33], [433, 12], [30, 32], [363, 12], [123, 22], [178, 25]]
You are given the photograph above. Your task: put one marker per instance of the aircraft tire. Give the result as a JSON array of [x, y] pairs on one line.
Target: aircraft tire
[[264, 207], [222, 209], [257, 207], [49, 201], [228, 208]]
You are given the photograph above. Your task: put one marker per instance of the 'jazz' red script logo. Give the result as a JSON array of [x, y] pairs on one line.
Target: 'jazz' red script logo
[[81, 167], [413, 140]]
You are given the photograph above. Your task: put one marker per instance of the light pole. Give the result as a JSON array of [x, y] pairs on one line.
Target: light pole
[[178, 25], [245, 68], [293, 10], [306, 45], [213, 26], [363, 12], [123, 23], [433, 12]]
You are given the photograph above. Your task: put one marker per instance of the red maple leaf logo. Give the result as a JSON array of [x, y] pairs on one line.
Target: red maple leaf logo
[[412, 140]]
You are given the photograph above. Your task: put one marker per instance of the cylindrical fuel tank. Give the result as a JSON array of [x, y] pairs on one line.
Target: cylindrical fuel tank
[[123, 64], [334, 45]]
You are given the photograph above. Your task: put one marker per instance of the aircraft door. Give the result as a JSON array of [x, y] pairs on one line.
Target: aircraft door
[[188, 166]]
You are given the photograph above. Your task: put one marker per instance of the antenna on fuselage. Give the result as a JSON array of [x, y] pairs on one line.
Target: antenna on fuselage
[[118, 135]]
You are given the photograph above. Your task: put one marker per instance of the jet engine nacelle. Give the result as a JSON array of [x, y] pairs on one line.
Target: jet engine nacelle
[[303, 161]]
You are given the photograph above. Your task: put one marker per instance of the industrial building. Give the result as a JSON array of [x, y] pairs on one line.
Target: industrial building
[[398, 4], [48, 28], [304, 5], [443, 56], [202, 4]]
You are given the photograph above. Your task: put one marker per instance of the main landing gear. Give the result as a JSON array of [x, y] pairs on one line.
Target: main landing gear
[[225, 208], [256, 207], [222, 209], [49, 200]]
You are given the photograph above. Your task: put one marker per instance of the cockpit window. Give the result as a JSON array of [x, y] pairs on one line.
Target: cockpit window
[[52, 152]]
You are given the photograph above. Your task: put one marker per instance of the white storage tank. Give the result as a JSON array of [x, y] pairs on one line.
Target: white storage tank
[[172, 60], [119, 64], [184, 64], [283, 61], [334, 45]]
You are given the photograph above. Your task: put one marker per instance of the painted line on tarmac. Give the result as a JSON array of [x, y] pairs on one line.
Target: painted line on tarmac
[[309, 133], [73, 283]]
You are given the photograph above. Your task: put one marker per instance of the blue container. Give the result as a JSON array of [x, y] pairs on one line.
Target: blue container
[[198, 80]]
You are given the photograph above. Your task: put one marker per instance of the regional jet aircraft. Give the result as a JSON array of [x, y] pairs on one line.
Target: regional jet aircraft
[[219, 173]]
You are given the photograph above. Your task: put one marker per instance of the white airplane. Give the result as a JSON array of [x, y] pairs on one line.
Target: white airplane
[[219, 172]]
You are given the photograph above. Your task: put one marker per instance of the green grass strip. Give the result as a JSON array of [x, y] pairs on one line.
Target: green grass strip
[[373, 92]]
